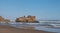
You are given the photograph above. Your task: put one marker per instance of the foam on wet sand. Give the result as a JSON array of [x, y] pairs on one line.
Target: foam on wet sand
[[28, 29]]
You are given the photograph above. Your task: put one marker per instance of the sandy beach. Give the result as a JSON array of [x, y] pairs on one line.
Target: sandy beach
[[9, 29]]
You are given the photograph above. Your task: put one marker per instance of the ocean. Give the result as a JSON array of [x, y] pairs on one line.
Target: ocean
[[45, 26]]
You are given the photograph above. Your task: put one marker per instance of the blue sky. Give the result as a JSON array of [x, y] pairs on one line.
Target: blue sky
[[42, 9]]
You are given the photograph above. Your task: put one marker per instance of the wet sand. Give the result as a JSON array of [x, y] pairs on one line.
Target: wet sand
[[9, 29]]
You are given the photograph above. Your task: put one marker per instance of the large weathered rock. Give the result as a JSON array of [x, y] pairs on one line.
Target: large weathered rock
[[1, 19], [26, 19], [4, 20]]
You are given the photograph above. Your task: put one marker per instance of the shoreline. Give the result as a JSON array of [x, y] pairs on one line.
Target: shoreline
[[10, 29]]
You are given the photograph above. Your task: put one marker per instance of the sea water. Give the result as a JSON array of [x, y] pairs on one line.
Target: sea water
[[38, 26]]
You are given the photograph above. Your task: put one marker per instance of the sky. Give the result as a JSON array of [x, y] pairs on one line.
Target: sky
[[42, 9]]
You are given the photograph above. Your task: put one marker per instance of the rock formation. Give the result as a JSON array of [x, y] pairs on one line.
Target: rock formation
[[26, 19], [4, 20], [1, 19]]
